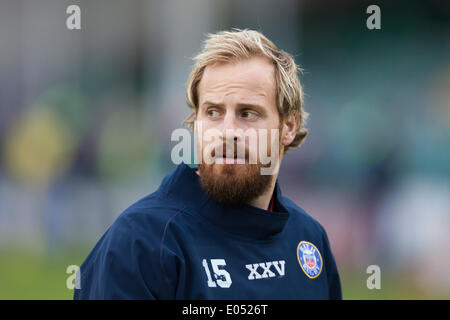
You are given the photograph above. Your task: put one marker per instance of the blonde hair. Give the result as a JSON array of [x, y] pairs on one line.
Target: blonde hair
[[228, 46]]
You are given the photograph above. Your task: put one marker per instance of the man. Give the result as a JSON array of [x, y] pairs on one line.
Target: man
[[223, 230]]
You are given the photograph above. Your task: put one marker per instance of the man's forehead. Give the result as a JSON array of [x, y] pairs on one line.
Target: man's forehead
[[254, 75]]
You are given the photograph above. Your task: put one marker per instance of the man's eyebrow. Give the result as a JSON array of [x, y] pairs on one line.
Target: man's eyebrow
[[210, 103], [251, 105], [241, 105]]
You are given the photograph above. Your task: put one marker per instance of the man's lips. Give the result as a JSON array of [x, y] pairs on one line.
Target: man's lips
[[234, 157]]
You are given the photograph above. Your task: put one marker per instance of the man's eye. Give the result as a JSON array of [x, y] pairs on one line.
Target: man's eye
[[213, 113], [249, 114]]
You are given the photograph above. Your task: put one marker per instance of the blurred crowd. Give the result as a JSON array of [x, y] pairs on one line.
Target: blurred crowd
[[86, 117]]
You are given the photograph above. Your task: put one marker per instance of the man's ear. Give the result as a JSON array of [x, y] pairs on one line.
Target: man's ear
[[288, 130]]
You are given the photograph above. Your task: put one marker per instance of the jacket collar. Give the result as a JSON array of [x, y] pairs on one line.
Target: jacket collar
[[183, 186]]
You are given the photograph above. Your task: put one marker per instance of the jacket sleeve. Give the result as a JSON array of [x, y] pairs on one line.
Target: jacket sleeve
[[334, 282], [127, 263]]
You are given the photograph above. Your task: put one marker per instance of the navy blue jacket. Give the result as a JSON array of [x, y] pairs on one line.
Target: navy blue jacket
[[178, 243]]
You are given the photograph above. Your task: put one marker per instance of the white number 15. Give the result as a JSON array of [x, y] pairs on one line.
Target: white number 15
[[223, 278]]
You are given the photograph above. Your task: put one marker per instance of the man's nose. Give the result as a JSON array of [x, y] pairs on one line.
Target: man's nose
[[230, 128]]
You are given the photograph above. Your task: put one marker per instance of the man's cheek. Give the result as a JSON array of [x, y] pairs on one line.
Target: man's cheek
[[253, 155], [211, 145], [207, 153]]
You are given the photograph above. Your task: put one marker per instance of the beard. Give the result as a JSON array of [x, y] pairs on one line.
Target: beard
[[236, 184], [233, 184]]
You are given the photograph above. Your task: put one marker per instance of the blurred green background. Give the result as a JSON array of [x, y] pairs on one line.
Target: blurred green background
[[86, 118]]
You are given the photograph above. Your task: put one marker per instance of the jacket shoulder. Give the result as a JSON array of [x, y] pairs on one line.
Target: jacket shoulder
[[132, 243], [156, 208], [302, 215], [303, 219]]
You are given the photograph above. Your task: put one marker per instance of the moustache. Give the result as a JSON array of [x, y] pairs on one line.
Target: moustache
[[227, 152], [224, 152]]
